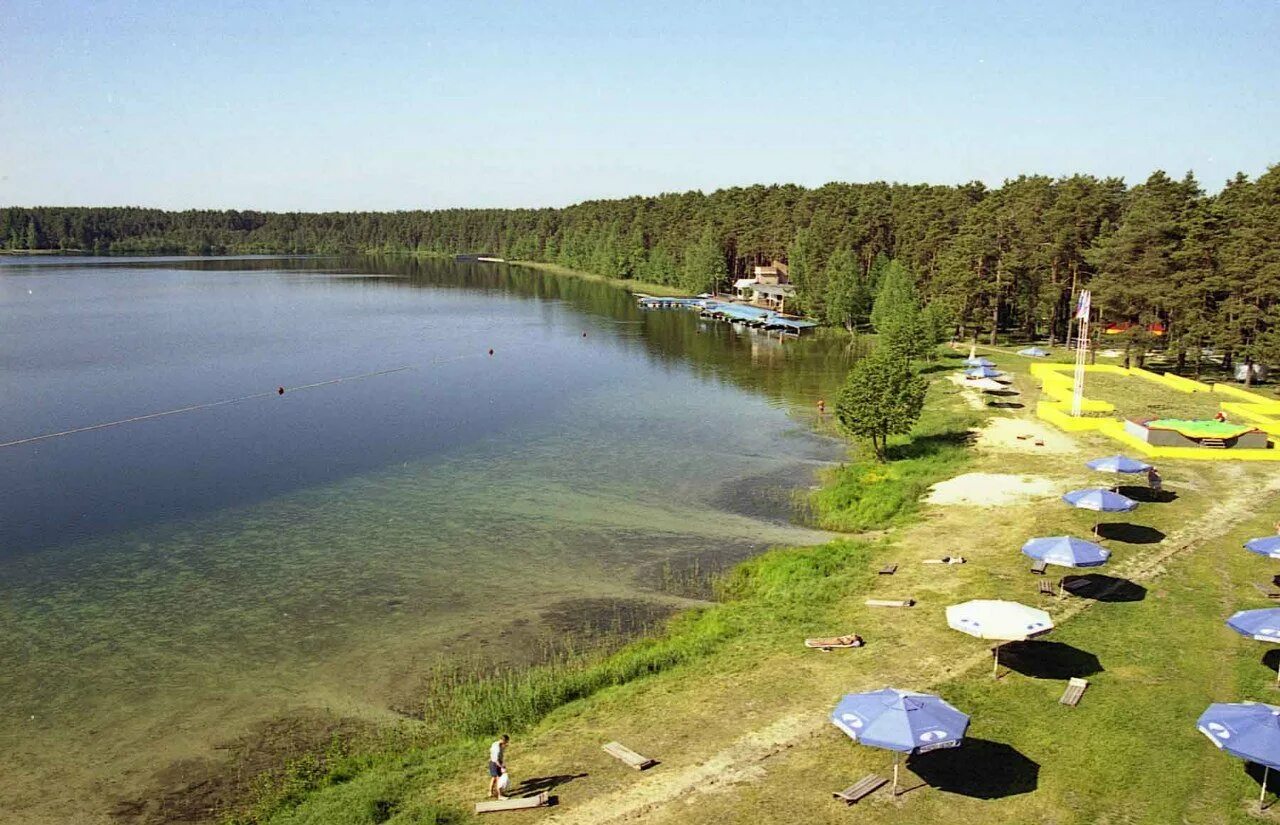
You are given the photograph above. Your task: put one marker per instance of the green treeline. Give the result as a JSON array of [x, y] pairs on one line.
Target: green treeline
[[1205, 267]]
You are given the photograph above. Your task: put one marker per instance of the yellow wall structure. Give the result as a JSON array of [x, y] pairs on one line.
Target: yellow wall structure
[[1057, 382]]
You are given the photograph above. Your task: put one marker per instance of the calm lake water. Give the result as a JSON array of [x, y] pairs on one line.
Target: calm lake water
[[166, 584]]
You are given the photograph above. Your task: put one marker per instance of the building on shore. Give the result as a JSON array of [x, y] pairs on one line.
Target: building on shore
[[770, 287]]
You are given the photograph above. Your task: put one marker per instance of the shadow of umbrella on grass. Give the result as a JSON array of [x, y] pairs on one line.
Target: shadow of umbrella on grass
[[1102, 588], [1049, 660], [979, 768], [1146, 495], [1129, 533]]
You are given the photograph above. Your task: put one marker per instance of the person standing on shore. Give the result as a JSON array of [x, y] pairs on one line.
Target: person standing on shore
[[497, 764]]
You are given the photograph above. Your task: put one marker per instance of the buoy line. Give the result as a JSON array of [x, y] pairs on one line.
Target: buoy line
[[207, 405]]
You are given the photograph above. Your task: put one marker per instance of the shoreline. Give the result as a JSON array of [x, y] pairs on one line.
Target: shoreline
[[750, 593], [625, 284]]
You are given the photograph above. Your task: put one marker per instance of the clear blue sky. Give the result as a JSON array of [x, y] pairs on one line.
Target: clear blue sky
[[300, 105]]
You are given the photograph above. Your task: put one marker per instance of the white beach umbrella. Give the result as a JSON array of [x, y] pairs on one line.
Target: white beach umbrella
[[987, 384], [998, 620]]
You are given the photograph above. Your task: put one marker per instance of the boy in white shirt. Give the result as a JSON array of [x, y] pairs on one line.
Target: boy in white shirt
[[497, 764]]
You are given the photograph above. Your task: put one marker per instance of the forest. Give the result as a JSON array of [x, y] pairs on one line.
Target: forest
[[1179, 268]]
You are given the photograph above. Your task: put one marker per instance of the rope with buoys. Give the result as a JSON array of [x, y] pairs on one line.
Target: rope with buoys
[[237, 400]]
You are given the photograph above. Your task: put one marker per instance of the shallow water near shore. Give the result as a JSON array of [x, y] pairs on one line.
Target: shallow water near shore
[[169, 583]]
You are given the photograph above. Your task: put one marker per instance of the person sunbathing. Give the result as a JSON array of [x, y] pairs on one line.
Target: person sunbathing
[[851, 640]]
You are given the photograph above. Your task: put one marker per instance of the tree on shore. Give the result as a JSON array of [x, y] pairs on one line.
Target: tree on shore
[[882, 396]]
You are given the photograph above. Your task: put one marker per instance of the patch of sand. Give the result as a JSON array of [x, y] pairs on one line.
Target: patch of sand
[[1002, 433], [971, 396], [991, 489]]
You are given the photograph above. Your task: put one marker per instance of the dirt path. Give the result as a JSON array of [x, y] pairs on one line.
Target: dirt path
[[743, 761]]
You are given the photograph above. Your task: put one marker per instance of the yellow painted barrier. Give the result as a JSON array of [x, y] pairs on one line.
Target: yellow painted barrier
[[1057, 383]]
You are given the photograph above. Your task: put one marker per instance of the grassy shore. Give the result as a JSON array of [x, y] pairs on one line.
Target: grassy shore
[[646, 287], [763, 601], [735, 708]]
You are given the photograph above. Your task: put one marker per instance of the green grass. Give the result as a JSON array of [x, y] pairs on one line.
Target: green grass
[[1140, 398], [866, 494], [647, 287]]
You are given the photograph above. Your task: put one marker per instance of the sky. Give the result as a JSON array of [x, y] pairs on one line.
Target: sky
[[423, 105]]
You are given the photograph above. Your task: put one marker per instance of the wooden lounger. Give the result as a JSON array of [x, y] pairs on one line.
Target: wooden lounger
[[890, 602], [1075, 689], [862, 788], [829, 644], [1046, 588], [1039, 567], [1270, 591], [516, 803], [888, 570], [629, 757]]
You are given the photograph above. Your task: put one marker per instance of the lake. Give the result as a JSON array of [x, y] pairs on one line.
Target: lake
[[409, 500]]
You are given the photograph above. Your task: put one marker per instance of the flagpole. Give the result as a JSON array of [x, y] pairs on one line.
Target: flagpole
[[1082, 347]]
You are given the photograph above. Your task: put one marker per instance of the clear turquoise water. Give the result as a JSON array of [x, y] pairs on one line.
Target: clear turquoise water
[[166, 583]]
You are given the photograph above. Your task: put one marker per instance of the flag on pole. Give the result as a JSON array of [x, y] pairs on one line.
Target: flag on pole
[[1083, 305]]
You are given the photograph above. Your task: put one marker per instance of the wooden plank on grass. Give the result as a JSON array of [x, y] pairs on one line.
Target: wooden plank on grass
[[890, 602], [515, 803], [860, 789], [888, 570], [1075, 689], [628, 757]]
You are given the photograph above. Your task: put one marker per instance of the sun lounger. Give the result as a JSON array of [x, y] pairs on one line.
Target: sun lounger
[[888, 570], [1039, 567], [862, 788], [833, 642], [1270, 591], [515, 803], [1075, 689], [1046, 588], [890, 602], [629, 757]]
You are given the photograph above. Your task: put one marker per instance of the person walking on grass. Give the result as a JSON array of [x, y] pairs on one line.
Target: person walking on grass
[[497, 764], [1154, 481]]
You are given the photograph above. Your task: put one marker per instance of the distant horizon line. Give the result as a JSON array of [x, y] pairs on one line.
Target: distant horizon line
[[701, 191]]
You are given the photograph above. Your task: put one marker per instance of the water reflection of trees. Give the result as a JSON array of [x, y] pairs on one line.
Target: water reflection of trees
[[796, 370]]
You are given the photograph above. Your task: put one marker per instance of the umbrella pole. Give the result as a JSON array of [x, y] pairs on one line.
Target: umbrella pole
[[1266, 772], [895, 776], [995, 667]]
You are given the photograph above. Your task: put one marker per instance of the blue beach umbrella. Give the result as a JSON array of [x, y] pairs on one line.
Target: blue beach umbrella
[[982, 372], [1066, 551], [901, 721], [1261, 625], [1118, 464], [1034, 352], [1247, 730], [1102, 501], [1268, 546], [975, 361]]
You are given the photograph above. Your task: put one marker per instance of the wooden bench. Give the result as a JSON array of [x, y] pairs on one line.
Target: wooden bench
[[628, 757], [1039, 567], [888, 570], [1075, 689], [862, 788], [1270, 591], [1046, 588], [516, 803], [890, 602]]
